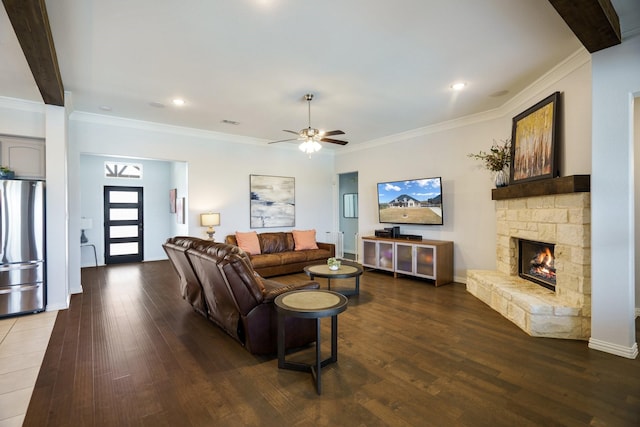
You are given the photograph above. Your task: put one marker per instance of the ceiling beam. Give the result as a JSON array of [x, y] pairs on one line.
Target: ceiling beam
[[31, 24], [594, 22]]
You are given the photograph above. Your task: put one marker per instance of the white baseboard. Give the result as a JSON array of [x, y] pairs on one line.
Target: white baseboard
[[618, 350]]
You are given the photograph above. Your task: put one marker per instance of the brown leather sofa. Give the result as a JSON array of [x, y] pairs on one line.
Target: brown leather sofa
[[218, 281], [278, 255]]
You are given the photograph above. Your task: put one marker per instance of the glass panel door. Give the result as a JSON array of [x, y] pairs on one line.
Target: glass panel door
[[425, 261], [404, 258], [385, 256], [123, 224], [369, 253]]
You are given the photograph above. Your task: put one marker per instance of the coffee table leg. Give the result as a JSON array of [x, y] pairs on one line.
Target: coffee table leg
[[334, 338], [281, 362], [318, 361]]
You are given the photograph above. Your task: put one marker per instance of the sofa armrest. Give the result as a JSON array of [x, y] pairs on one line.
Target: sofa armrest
[[272, 288], [328, 246]]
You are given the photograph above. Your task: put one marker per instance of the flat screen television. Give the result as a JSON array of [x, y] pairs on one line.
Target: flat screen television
[[413, 201]]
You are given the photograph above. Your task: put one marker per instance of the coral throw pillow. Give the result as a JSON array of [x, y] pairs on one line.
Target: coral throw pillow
[[305, 239], [248, 242]]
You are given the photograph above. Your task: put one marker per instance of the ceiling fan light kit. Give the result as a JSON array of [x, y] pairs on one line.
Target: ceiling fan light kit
[[311, 137], [310, 146]]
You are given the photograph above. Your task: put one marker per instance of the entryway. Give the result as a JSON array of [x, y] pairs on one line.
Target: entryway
[[348, 214], [123, 224]]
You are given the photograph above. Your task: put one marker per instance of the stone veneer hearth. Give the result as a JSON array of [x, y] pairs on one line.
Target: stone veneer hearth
[[564, 220]]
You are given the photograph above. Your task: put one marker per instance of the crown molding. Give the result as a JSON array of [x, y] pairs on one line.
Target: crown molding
[[101, 119], [21, 105], [542, 84]]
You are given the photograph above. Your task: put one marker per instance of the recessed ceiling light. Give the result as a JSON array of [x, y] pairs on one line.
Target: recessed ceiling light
[[458, 86], [105, 108], [178, 102]]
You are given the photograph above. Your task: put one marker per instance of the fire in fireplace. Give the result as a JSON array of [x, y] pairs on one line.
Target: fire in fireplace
[[536, 263]]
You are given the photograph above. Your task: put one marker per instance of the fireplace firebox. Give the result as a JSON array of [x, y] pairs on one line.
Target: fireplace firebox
[[536, 262]]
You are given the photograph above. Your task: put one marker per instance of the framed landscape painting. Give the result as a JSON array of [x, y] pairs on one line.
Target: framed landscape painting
[[272, 201], [534, 145]]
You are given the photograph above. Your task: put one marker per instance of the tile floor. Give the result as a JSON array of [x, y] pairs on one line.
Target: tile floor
[[23, 342]]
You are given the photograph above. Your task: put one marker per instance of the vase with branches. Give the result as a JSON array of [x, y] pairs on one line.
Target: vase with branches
[[497, 160]]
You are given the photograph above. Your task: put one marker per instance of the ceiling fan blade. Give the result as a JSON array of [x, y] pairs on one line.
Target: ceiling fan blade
[[333, 132], [290, 131], [334, 141], [283, 140]]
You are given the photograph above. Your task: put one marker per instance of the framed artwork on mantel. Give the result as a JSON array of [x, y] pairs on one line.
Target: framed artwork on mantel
[[534, 142]]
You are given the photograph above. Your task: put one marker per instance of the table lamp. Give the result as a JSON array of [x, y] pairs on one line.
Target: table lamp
[[85, 224], [209, 220]]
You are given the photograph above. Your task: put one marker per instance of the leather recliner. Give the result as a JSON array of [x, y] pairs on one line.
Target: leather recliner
[[190, 287], [235, 297]]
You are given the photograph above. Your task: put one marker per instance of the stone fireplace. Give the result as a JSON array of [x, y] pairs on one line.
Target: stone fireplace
[[554, 212]]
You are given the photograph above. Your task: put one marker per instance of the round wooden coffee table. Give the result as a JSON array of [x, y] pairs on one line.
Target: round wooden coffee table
[[344, 272], [310, 304]]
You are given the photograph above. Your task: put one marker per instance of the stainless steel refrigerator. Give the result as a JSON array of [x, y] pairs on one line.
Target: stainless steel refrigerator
[[22, 251]]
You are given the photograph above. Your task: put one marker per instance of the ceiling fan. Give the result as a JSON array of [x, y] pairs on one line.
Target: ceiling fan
[[312, 137]]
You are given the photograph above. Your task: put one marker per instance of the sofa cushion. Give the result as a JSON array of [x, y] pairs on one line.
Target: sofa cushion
[[271, 243], [266, 260], [248, 242], [293, 256], [304, 239], [317, 254]]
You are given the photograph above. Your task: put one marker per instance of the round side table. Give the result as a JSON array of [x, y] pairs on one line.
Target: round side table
[[310, 304], [344, 272]]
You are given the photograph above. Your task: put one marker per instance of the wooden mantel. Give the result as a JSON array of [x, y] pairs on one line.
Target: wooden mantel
[[544, 187]]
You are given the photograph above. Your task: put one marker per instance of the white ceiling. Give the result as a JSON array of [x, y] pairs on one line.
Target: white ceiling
[[377, 68]]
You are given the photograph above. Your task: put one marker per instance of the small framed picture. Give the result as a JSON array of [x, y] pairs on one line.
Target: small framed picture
[[180, 210], [172, 200]]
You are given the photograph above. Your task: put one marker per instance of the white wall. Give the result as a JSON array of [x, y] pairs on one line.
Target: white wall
[[178, 180], [22, 118], [636, 181], [616, 80], [469, 215], [217, 170], [57, 208], [158, 222]]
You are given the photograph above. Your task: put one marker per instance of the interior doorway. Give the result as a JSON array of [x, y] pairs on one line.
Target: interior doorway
[[123, 225], [348, 213]]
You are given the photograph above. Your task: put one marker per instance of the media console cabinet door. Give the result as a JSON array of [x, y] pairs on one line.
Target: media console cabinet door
[[426, 261], [378, 254], [405, 258]]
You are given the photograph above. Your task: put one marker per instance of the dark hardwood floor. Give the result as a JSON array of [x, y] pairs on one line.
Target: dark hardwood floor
[[130, 351]]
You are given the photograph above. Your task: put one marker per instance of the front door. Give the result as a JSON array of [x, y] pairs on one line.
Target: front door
[[123, 224]]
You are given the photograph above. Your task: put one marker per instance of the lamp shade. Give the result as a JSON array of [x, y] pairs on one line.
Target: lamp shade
[[209, 219], [86, 223]]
